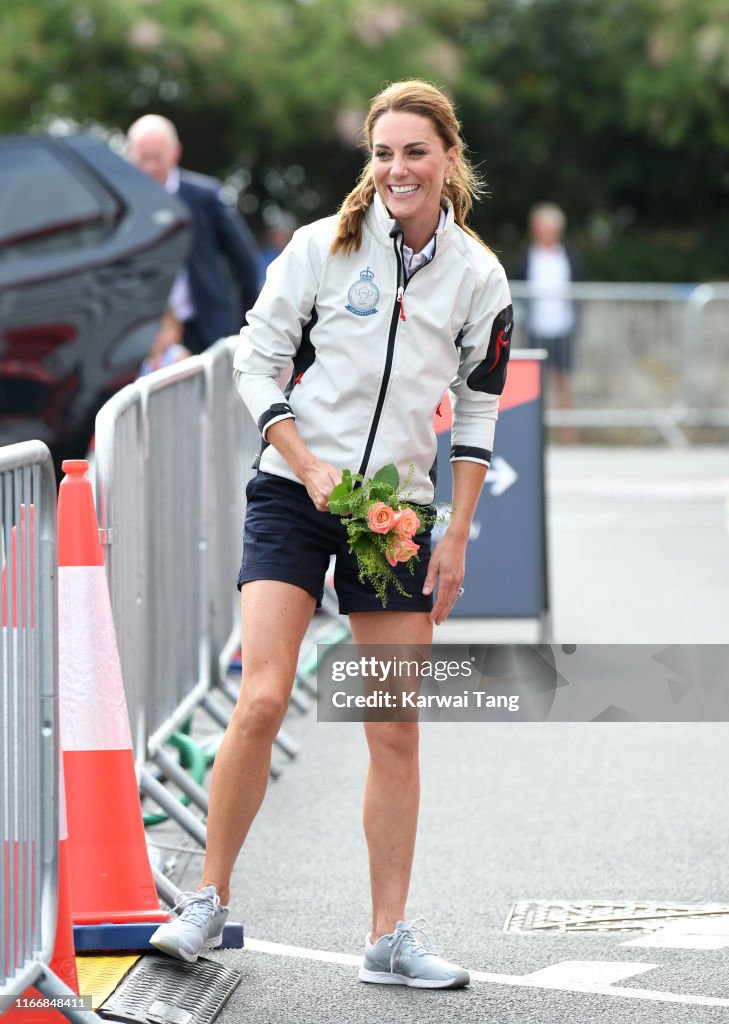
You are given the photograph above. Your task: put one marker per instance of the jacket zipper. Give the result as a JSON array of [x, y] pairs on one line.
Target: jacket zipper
[[401, 300], [396, 313]]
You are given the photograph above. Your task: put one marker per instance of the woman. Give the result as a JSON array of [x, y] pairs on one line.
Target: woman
[[381, 308]]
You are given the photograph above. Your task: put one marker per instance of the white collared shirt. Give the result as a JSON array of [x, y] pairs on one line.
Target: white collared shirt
[[180, 299], [551, 313], [415, 260]]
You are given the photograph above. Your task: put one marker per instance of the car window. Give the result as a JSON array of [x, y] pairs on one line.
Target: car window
[[48, 203]]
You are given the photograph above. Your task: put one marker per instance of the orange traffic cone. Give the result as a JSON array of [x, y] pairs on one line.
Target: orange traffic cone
[[111, 878], [63, 962]]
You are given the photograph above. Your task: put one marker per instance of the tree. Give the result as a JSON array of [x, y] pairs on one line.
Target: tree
[[614, 108]]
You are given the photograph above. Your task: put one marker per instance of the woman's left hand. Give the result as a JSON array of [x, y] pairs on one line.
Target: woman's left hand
[[448, 566]]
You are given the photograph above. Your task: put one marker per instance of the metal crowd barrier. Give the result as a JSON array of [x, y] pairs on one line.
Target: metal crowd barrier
[[706, 332], [151, 503], [177, 531], [173, 454], [234, 439], [120, 458], [29, 746], [646, 356]]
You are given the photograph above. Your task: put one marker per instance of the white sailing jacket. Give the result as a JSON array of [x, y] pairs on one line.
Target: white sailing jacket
[[374, 352]]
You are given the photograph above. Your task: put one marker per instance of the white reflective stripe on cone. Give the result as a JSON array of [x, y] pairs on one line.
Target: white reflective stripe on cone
[[92, 702]]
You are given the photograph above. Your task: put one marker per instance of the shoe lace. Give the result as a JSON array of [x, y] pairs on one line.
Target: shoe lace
[[410, 933], [196, 908]]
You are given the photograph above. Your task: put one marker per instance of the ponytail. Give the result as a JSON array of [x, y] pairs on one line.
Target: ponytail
[[352, 214]]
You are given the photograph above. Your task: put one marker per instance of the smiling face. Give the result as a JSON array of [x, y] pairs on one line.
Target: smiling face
[[410, 163]]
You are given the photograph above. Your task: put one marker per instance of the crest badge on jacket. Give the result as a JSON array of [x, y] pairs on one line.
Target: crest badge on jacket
[[364, 295]]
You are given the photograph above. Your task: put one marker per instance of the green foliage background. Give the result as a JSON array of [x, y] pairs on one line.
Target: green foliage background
[[616, 109]]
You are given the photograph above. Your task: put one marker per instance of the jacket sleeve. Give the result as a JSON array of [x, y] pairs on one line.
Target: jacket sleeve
[[273, 334], [484, 354], [239, 246]]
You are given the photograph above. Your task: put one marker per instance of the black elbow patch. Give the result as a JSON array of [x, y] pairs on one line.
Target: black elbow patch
[[278, 410], [490, 375], [466, 451]]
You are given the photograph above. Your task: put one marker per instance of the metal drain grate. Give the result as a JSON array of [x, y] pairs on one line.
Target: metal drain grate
[[160, 990], [549, 916]]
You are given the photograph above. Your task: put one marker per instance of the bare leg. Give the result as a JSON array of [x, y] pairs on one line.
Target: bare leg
[[274, 620], [392, 790]]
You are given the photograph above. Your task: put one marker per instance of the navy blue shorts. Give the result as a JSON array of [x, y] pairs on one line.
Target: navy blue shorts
[[560, 350], [287, 538]]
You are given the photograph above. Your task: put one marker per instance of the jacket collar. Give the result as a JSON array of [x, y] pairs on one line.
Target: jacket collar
[[384, 228]]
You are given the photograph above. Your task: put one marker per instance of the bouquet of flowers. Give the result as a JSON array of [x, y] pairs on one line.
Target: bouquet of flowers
[[380, 524]]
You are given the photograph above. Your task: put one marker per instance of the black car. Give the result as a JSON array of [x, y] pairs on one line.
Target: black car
[[89, 248]]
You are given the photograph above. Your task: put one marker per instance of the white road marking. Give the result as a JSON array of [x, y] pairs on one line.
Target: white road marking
[[547, 978], [588, 972], [712, 933], [302, 953], [652, 995]]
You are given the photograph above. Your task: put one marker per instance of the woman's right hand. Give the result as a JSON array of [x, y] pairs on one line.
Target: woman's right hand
[[320, 479]]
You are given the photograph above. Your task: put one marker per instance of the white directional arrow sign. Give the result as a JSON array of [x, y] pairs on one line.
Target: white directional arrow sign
[[500, 476]]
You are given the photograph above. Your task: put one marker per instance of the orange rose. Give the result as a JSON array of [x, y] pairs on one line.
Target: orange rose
[[380, 517], [401, 550], [405, 524]]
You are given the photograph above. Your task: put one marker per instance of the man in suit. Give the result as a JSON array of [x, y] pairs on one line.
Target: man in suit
[[222, 246]]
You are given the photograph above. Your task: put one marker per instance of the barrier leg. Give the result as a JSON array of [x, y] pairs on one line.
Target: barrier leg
[[228, 689], [166, 890], [216, 713], [181, 779], [52, 987], [157, 792], [299, 701], [287, 744]]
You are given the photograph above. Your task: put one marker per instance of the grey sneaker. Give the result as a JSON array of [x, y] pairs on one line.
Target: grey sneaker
[[199, 926], [402, 959]]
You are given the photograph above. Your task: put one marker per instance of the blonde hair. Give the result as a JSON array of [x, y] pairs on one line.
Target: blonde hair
[[465, 185]]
